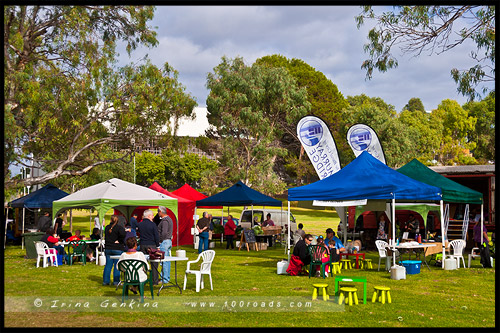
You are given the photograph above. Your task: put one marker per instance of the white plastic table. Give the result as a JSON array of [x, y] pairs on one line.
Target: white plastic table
[[160, 272], [414, 246]]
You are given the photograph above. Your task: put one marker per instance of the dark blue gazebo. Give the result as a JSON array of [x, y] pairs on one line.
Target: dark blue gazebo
[[41, 198], [239, 195]]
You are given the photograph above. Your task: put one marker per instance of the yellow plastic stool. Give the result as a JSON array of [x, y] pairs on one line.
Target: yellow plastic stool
[[346, 264], [335, 268], [317, 289], [366, 264], [379, 294], [351, 293]]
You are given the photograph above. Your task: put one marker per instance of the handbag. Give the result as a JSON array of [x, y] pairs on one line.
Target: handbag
[[155, 254], [210, 234]]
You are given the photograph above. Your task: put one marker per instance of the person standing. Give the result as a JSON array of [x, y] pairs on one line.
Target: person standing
[[268, 222], [165, 229], [382, 228], [44, 222], [202, 226], [413, 226], [58, 225], [229, 232], [114, 245], [97, 223], [133, 222], [150, 238]]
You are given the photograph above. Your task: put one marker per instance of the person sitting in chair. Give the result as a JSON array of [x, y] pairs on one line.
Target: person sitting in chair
[[301, 256], [132, 253]]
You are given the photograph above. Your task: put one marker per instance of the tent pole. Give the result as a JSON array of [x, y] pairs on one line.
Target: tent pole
[[22, 243], [288, 238], [6, 219], [443, 241], [394, 231], [482, 225], [194, 226]]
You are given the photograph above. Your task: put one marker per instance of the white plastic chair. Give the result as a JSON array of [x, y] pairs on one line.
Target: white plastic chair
[[205, 269], [473, 255], [458, 246], [382, 252], [46, 254]]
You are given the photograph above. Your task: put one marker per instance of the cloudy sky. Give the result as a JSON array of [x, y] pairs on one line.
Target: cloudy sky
[[194, 38]]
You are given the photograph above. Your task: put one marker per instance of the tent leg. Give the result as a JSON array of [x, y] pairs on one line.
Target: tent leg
[[443, 241]]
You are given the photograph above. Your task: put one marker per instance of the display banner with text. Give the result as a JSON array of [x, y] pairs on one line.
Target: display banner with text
[[318, 142], [362, 137]]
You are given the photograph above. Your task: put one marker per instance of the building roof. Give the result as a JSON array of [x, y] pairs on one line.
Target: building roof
[[464, 169]]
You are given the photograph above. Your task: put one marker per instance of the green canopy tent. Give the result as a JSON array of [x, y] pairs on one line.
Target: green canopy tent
[[114, 193], [452, 191]]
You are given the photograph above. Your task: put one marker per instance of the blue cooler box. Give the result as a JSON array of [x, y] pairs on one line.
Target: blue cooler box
[[412, 266]]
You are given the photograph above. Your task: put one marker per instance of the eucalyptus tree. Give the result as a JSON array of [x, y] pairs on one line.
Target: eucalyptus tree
[[327, 102], [249, 107], [420, 30], [396, 138], [65, 97], [483, 133]]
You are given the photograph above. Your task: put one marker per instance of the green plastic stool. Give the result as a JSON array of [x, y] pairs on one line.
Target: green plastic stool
[[318, 287], [380, 293], [351, 294]]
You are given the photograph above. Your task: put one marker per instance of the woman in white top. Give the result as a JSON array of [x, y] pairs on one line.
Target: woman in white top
[[132, 253]]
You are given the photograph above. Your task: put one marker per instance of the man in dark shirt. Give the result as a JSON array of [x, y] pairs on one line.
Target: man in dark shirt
[[44, 222], [150, 238], [133, 222], [165, 229], [300, 249], [202, 226]]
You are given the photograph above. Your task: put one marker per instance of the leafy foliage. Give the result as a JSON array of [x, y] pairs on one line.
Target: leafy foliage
[[433, 29], [249, 107], [66, 100]]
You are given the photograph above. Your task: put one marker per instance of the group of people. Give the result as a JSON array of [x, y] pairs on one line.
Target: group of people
[[412, 226], [301, 257], [121, 240], [203, 226]]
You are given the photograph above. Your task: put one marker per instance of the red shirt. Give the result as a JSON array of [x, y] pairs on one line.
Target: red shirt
[[73, 238], [229, 228]]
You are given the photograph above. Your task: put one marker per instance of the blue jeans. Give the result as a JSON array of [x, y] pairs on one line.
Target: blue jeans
[[203, 244], [166, 246], [110, 263]]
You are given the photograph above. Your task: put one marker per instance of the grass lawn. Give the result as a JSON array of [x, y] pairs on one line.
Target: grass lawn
[[246, 293]]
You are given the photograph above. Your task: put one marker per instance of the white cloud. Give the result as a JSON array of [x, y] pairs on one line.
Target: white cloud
[[194, 38]]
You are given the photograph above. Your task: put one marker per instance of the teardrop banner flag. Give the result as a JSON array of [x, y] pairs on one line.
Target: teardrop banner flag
[[362, 137], [318, 142]]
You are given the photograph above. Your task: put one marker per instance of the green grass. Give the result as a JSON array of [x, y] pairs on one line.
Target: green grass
[[435, 298]]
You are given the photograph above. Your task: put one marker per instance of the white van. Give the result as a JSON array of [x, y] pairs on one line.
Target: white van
[[278, 216]]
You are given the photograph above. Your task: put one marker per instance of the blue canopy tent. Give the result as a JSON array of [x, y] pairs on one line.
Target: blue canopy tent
[[41, 198], [367, 178], [239, 195]]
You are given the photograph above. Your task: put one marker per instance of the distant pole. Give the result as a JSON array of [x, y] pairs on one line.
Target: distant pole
[[133, 144]]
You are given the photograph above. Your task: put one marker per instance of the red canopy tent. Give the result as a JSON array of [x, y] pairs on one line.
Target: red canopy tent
[[185, 209], [190, 193]]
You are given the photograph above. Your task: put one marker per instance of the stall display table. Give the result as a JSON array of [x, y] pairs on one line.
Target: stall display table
[[411, 246], [357, 255]]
